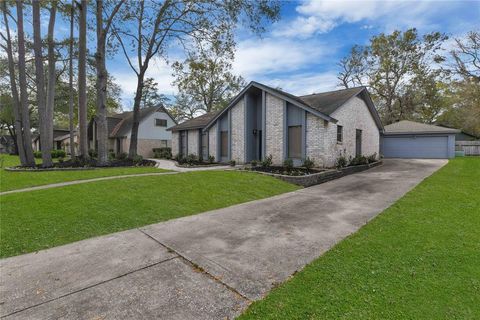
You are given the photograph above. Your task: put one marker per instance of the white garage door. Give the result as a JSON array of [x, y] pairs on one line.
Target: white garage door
[[415, 147]]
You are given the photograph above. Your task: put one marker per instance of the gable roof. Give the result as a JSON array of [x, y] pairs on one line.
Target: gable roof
[[319, 104], [120, 124], [196, 123], [328, 102], [412, 127]]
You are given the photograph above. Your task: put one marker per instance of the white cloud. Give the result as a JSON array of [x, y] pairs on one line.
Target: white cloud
[[321, 16], [303, 83], [257, 57]]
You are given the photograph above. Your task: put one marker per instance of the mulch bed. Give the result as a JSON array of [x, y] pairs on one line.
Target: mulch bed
[[297, 171], [90, 164]]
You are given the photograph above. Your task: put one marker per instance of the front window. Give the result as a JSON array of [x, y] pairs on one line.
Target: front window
[[160, 122], [339, 134], [224, 144], [295, 142]]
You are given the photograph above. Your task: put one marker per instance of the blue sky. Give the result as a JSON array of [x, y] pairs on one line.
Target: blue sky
[[299, 53]]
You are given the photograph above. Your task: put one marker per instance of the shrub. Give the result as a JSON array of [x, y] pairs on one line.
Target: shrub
[[288, 165], [358, 160], [372, 158], [59, 153], [308, 163], [191, 159], [232, 163], [137, 159], [60, 159], [180, 159], [211, 159], [121, 156], [267, 162], [111, 155], [37, 154], [253, 163], [162, 153], [92, 153], [341, 162]]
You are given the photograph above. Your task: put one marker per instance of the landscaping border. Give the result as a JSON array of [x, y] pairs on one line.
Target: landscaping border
[[321, 177]]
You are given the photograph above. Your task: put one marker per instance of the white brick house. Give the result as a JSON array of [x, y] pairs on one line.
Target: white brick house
[[262, 121]]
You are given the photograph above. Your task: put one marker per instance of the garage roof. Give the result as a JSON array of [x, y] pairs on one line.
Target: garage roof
[[412, 127]]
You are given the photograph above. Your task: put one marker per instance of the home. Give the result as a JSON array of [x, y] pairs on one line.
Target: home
[[262, 121], [58, 132], [7, 144], [152, 131]]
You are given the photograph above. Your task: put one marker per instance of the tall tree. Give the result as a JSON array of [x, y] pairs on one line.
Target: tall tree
[[101, 116], [82, 79], [153, 25], [389, 65], [206, 77], [51, 77], [18, 125], [22, 79], [467, 56], [70, 82], [45, 143]]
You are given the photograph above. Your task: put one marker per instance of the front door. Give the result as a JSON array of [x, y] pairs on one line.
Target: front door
[[358, 142]]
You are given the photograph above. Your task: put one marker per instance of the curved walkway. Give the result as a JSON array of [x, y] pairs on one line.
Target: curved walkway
[[161, 164], [69, 183], [170, 165]]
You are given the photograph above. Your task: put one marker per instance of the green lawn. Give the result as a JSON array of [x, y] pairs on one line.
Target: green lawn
[[17, 180], [41, 219], [419, 259]]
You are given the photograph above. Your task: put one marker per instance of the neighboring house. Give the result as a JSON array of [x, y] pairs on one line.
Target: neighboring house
[[409, 139], [64, 142], [56, 144], [262, 121], [465, 136], [152, 131], [7, 145]]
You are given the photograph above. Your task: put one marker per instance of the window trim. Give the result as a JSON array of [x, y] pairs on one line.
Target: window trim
[[159, 125], [290, 156], [339, 128]]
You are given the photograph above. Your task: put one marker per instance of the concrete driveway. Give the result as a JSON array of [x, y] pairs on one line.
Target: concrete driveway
[[208, 266]]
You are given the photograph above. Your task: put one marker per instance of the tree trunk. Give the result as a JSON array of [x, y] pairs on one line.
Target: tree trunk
[[101, 114], [45, 143], [22, 77], [70, 84], [16, 103], [82, 79], [12, 133], [132, 151], [51, 77]]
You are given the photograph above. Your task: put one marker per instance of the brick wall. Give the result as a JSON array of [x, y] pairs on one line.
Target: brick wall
[[353, 115], [274, 129], [192, 142], [238, 131], [315, 143], [175, 143]]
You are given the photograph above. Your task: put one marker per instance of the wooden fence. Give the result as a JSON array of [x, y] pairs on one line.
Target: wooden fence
[[471, 148]]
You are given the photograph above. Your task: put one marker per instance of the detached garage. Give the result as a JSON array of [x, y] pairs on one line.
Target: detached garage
[[408, 139]]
